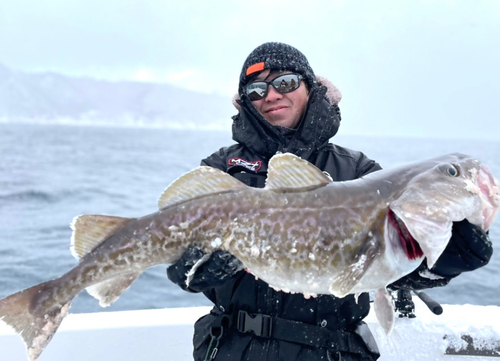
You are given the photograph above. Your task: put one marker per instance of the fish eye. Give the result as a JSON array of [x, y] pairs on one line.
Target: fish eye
[[452, 170]]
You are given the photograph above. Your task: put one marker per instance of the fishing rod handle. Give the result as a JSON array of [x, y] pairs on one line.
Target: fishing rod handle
[[434, 306]]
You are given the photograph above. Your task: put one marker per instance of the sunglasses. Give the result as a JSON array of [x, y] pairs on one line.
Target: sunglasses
[[282, 84]]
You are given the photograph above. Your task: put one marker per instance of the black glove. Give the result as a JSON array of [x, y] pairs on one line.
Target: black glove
[[215, 271], [419, 279], [469, 248]]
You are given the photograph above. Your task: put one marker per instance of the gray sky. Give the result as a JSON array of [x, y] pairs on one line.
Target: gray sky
[[404, 66]]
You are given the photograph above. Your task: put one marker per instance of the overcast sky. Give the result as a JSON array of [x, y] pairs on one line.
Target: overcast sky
[[403, 66]]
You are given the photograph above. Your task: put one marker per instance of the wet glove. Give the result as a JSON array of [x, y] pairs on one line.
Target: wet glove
[[216, 270], [419, 279], [469, 249]]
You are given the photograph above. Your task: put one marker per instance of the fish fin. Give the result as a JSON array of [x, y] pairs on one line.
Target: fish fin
[[427, 224], [90, 230], [109, 291], [36, 330], [384, 310], [199, 182], [353, 273], [290, 173]]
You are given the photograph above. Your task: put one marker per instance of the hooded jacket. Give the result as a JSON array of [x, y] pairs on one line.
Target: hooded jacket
[[257, 141]]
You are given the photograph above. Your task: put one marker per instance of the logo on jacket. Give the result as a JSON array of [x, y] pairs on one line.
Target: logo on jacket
[[253, 166]]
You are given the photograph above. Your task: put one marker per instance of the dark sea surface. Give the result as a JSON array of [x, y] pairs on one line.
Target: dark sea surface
[[52, 173]]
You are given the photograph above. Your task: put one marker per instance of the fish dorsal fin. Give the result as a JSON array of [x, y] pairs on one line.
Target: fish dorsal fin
[[199, 182], [290, 173], [90, 230]]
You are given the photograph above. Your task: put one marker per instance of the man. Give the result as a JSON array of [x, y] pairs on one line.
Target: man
[[284, 107]]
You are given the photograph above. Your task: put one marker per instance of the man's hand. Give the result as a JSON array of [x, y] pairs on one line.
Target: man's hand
[[213, 272], [419, 279]]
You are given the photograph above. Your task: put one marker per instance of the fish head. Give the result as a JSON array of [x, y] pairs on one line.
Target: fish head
[[445, 190]]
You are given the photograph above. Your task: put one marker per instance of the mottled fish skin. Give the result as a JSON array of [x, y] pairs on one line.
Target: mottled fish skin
[[302, 233]]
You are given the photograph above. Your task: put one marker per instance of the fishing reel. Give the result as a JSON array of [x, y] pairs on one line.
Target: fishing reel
[[404, 305]]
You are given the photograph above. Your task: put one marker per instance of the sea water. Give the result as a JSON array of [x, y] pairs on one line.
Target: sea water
[[52, 173]]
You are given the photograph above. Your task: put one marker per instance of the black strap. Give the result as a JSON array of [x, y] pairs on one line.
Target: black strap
[[298, 332]]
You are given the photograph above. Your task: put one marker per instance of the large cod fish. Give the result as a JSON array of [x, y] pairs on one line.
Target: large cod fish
[[301, 233]]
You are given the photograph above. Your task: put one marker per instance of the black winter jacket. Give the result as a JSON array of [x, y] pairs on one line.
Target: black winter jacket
[[258, 141]]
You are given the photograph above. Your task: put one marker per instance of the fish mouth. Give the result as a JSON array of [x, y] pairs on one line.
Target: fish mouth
[[410, 245], [490, 198]]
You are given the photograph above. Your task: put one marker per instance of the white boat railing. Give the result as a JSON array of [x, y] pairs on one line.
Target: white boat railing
[[461, 333]]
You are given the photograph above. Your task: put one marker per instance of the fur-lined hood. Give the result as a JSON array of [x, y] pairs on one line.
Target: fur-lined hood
[[333, 93]]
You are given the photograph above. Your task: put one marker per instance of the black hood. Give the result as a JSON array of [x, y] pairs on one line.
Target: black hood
[[320, 122]]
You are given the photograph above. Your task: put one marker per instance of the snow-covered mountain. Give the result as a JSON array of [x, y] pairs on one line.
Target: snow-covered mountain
[[55, 98]]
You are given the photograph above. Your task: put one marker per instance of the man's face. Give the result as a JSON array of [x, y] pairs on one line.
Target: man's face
[[284, 110]]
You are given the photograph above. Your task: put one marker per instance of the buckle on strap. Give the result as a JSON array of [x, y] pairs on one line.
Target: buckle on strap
[[258, 323]]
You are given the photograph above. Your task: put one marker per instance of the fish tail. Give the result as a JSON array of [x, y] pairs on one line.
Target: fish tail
[[36, 327]]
